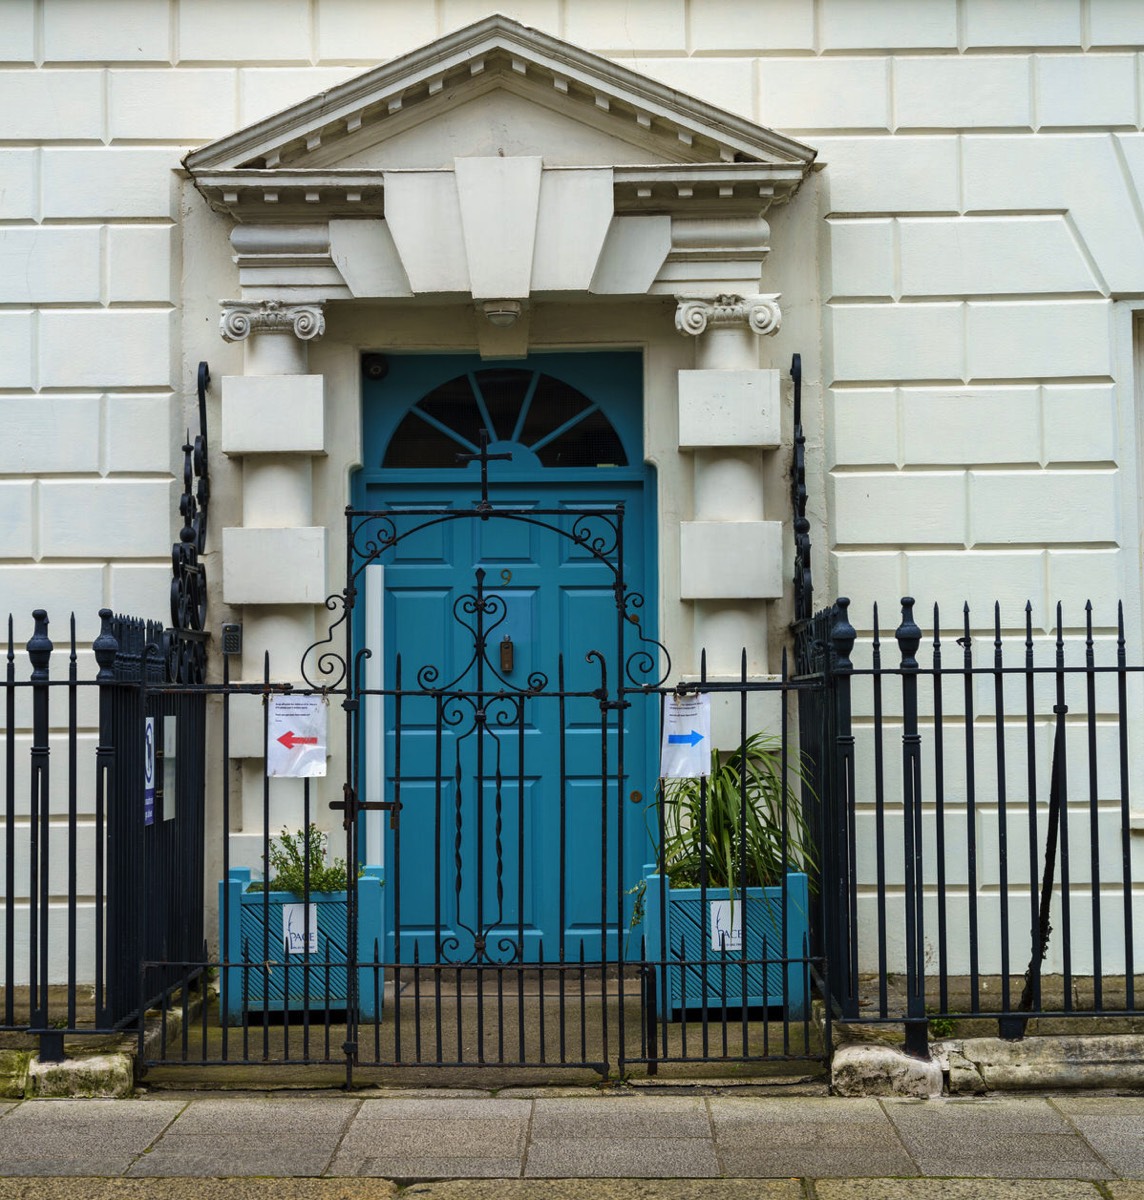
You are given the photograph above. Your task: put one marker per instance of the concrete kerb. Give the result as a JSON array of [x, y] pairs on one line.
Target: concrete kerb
[[100, 1075], [977, 1065], [973, 1066], [958, 1066], [93, 1077], [868, 1069], [14, 1074]]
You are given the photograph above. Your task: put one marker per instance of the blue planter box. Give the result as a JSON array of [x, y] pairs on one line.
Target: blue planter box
[[287, 982], [690, 952]]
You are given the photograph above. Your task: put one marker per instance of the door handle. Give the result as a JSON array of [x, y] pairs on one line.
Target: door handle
[[506, 654]]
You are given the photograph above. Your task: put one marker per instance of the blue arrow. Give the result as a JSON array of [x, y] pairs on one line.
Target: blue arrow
[[685, 739]]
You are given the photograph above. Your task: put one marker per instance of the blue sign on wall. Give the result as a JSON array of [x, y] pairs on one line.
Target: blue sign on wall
[[149, 772]]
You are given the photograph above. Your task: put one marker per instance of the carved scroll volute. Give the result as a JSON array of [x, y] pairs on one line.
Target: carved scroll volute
[[695, 314]]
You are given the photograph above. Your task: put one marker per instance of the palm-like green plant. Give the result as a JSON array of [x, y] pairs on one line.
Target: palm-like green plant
[[732, 822]]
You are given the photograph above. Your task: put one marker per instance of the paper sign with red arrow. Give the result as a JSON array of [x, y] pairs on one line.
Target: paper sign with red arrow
[[290, 739], [296, 737]]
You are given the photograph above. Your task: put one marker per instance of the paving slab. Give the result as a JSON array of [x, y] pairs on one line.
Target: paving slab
[[412, 1093], [1126, 1189], [621, 1157], [180, 1188], [435, 1138], [621, 1116], [806, 1137], [556, 1092], [231, 1137], [956, 1189], [1003, 1138], [472, 1138], [81, 1137], [437, 1166], [1113, 1126], [444, 1150], [606, 1189], [435, 1108]]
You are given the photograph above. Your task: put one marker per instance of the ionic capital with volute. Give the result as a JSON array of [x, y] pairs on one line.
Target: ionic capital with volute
[[695, 314], [241, 318]]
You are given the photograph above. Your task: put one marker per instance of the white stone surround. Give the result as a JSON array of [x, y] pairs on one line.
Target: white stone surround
[[962, 297]]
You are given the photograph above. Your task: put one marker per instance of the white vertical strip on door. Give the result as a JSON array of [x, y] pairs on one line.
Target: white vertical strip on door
[[373, 713]]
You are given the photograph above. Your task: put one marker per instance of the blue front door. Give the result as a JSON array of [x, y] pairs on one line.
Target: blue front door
[[520, 825]]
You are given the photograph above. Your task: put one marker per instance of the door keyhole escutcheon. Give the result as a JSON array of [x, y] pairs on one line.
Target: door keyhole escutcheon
[[506, 654]]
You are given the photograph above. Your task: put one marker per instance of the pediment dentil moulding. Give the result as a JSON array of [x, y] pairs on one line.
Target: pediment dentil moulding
[[669, 153]]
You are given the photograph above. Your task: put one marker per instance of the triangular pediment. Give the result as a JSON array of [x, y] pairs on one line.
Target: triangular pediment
[[498, 87]]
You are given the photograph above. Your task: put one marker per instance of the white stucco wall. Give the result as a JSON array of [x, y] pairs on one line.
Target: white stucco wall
[[981, 209], [971, 251]]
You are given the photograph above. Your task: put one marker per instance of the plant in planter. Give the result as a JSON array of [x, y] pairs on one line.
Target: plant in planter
[[729, 899], [286, 944]]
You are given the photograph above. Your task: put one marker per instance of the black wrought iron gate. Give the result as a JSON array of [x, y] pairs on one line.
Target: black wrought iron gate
[[522, 917], [511, 874]]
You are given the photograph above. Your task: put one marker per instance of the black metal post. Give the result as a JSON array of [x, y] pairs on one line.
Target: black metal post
[[106, 648], [10, 831], [40, 654], [843, 940], [909, 638]]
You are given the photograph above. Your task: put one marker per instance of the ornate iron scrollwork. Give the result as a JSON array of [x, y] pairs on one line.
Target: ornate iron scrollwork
[[481, 708], [186, 643], [803, 584]]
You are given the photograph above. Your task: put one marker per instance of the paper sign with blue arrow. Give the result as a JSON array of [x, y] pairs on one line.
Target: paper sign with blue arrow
[[686, 750]]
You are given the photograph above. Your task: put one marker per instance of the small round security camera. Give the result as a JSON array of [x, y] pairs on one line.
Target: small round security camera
[[374, 366]]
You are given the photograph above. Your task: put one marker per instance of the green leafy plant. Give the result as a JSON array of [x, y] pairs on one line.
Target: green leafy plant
[[732, 821], [940, 1027], [288, 854]]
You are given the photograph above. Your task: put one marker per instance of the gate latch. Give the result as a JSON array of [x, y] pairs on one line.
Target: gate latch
[[506, 651]]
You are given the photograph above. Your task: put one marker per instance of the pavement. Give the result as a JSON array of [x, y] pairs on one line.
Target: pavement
[[569, 1144]]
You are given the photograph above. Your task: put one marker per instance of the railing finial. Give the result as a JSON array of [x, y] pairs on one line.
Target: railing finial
[[909, 635], [842, 634]]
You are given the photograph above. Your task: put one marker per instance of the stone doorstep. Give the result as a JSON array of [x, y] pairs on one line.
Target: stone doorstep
[[973, 1066]]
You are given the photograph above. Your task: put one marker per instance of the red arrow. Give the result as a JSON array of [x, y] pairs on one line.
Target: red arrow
[[290, 739]]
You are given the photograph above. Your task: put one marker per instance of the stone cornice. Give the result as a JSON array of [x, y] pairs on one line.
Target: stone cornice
[[688, 190], [696, 314], [693, 189], [240, 319], [293, 196]]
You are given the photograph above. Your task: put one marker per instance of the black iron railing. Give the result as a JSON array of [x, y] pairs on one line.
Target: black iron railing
[[103, 827], [977, 818], [970, 813]]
